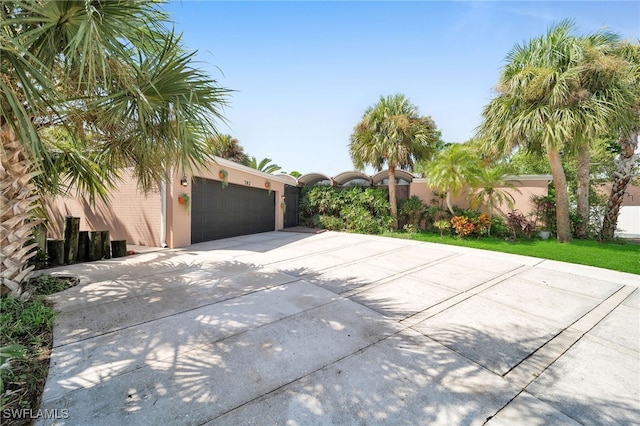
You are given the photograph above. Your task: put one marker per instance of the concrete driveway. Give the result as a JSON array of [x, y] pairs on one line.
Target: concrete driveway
[[332, 328]]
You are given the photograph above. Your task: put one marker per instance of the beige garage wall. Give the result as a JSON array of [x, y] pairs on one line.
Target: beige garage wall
[[137, 217], [179, 219], [129, 215]]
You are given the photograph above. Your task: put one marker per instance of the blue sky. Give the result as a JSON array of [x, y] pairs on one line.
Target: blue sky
[[304, 72]]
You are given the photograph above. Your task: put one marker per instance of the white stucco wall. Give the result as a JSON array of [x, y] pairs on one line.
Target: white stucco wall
[[629, 222]]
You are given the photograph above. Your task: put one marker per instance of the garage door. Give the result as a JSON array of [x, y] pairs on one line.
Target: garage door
[[218, 212]]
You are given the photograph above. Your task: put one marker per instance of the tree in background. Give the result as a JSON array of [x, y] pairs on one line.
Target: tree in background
[[118, 82], [229, 148], [392, 132], [543, 105], [453, 168], [607, 80], [490, 191], [264, 165], [627, 160]]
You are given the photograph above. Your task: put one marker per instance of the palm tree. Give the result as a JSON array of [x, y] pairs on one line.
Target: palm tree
[[264, 165], [605, 76], [228, 147], [119, 83], [628, 141], [452, 169], [392, 132], [544, 105], [487, 191]]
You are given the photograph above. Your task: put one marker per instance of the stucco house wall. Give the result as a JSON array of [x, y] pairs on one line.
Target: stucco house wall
[[129, 215], [525, 186], [179, 231], [629, 216], [138, 217]]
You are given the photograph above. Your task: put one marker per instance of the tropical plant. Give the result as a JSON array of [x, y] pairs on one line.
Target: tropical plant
[[451, 169], [413, 211], [184, 199], [611, 80], [223, 175], [462, 226], [263, 165], [120, 84], [228, 147], [543, 105], [392, 132], [354, 209], [472, 222], [490, 191], [545, 212], [442, 225], [519, 226], [626, 161]]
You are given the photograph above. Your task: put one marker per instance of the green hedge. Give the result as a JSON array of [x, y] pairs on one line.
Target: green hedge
[[353, 209]]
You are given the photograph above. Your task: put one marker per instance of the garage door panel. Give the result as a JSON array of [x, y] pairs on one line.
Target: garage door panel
[[218, 212]]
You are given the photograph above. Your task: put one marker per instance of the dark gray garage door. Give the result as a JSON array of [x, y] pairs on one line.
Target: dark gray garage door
[[218, 212]]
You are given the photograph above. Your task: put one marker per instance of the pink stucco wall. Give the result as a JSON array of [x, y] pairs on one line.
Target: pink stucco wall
[[129, 215], [137, 217], [527, 186], [179, 220]]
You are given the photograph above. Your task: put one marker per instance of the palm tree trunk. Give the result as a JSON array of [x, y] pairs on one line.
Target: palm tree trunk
[[17, 200], [563, 226], [448, 200], [393, 203], [583, 190], [624, 166]]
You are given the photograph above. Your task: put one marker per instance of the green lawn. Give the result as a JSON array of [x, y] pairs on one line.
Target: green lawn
[[619, 257]]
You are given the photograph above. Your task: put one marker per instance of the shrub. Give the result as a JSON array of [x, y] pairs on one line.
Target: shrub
[[412, 211], [442, 225], [545, 214], [499, 227], [331, 223], [482, 224], [354, 209], [475, 223], [359, 220], [410, 229], [462, 226], [519, 226]]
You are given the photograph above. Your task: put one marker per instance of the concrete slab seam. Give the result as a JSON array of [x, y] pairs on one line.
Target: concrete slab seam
[[204, 345], [594, 316], [488, 419], [358, 261], [526, 371], [395, 276], [277, 389], [452, 301], [181, 312]]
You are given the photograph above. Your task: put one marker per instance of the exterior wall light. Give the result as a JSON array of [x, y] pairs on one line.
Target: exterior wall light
[[183, 181]]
